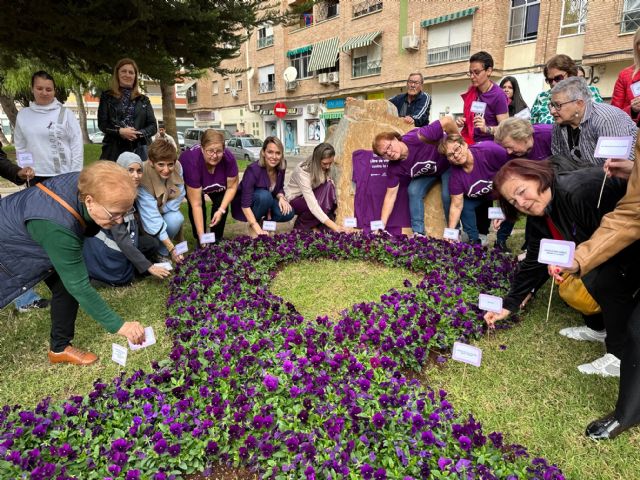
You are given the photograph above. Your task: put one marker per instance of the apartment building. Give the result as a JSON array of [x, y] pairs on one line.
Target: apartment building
[[367, 48]]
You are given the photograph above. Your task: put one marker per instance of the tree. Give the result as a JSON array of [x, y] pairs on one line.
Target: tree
[[169, 39]]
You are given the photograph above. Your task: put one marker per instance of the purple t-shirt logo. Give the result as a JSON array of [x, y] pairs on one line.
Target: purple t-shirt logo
[[420, 168], [480, 188]]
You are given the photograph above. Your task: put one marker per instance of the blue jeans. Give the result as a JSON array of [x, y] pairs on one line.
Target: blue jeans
[[263, 203], [174, 221], [27, 298], [418, 189], [504, 231], [468, 219]]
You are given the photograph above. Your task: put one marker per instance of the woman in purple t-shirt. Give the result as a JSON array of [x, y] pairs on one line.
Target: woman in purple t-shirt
[[471, 182], [209, 169], [521, 139], [261, 193]]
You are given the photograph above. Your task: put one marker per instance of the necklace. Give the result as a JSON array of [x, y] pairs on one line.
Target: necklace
[[573, 138]]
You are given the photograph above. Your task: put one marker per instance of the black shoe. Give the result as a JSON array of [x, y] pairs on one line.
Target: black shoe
[[41, 303], [605, 428]]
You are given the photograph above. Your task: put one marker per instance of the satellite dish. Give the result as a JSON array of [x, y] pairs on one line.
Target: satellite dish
[[290, 74], [250, 73]]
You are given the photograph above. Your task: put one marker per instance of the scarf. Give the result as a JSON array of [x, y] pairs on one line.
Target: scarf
[[468, 98]]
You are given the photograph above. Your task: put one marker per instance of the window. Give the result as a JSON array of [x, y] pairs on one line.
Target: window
[[365, 7], [192, 93], [265, 36], [523, 24], [574, 17], [328, 9], [630, 16], [238, 83], [266, 79], [366, 61], [227, 85], [301, 62], [214, 88], [449, 42]]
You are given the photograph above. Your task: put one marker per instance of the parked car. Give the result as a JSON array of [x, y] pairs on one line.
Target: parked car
[[192, 136], [245, 147], [180, 141], [96, 137]]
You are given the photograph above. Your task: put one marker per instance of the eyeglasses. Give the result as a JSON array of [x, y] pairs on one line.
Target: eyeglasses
[[413, 82], [115, 218], [556, 79], [210, 151], [558, 105], [475, 73], [385, 151], [455, 153]]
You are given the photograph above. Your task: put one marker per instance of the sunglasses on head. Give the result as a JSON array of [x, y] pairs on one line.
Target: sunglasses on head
[[556, 79]]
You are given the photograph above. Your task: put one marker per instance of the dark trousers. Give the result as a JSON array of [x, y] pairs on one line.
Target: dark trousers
[[64, 310], [216, 201], [628, 404]]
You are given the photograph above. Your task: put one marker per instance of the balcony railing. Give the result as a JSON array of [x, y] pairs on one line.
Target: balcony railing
[[450, 53], [265, 41], [266, 87], [367, 6], [372, 67]]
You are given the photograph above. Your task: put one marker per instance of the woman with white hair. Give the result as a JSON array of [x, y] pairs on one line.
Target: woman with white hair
[[580, 122]]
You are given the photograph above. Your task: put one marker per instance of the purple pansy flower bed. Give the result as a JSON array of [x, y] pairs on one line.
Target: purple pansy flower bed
[[251, 383]]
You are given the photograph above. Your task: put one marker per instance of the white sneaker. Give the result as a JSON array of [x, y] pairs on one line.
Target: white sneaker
[[483, 240], [584, 334], [606, 366]]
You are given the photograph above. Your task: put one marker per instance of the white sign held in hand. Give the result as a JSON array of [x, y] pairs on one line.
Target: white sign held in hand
[[466, 354], [496, 213], [377, 225], [635, 88], [119, 354], [614, 147], [25, 159], [490, 303], [269, 226], [149, 339], [556, 252], [478, 107], [351, 222], [165, 265], [451, 233], [524, 114], [181, 248], [207, 238]]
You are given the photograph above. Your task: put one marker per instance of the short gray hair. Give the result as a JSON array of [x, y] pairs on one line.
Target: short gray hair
[[575, 88], [416, 74]]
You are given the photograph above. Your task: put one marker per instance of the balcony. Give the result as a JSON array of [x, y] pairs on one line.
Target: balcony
[[364, 68], [265, 41], [366, 7], [327, 10], [450, 53], [266, 87]]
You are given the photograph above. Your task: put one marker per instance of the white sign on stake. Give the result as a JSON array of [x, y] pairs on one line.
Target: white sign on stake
[[351, 222], [149, 339], [25, 159], [490, 303], [556, 252], [496, 213], [269, 226], [451, 233], [181, 248], [165, 265], [119, 354], [377, 225], [207, 238], [614, 147], [466, 354], [478, 107]]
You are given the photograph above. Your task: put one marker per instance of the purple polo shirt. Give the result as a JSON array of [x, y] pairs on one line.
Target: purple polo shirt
[[196, 174], [541, 149], [423, 158], [497, 103], [254, 178], [370, 177], [488, 158]]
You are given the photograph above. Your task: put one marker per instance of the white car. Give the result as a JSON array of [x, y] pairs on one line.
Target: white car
[[247, 148]]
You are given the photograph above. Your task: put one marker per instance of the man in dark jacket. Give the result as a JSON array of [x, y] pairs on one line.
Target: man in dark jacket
[[414, 105]]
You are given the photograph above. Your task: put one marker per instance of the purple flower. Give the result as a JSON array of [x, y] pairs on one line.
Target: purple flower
[[270, 382], [378, 420], [465, 442]]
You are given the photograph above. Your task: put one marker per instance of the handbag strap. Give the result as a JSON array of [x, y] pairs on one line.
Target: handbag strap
[[57, 198]]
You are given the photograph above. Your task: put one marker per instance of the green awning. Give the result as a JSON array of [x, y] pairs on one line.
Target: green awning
[[448, 18], [330, 115], [324, 54], [296, 51], [359, 41]]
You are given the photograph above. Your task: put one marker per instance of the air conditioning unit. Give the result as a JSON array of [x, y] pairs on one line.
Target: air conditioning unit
[[291, 86], [333, 77], [323, 78], [411, 42], [312, 109], [234, 93]]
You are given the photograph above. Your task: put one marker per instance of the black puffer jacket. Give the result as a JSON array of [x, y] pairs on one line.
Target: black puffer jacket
[[573, 212], [8, 169], [110, 120]]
